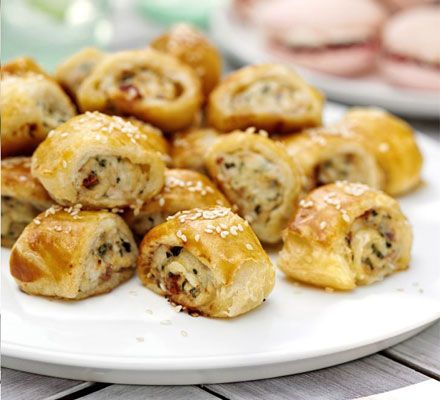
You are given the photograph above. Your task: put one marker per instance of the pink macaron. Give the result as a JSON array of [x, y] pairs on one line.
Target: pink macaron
[[411, 46], [333, 36]]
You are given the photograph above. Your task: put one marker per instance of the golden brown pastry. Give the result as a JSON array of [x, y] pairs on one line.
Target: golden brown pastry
[[258, 176], [190, 46], [393, 142], [207, 260], [190, 147], [73, 254], [345, 235], [267, 96], [72, 72], [154, 137], [31, 105], [148, 84], [183, 190], [99, 161], [23, 198], [326, 155]]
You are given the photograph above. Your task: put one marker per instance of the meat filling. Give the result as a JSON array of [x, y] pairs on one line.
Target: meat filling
[[373, 245], [181, 276], [145, 83], [16, 214], [142, 223], [112, 177], [111, 254], [271, 96], [52, 113], [255, 181], [345, 166]]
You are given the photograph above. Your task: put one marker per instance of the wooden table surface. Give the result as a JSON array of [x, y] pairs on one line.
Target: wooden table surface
[[413, 361]]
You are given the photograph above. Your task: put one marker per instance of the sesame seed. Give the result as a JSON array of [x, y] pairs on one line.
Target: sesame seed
[[249, 246], [384, 147], [37, 221], [223, 234], [218, 229], [323, 225], [240, 228], [233, 229], [165, 322], [345, 216], [209, 230], [197, 237], [64, 163], [161, 202]]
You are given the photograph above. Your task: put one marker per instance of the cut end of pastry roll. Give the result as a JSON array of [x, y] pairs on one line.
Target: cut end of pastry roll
[[72, 71], [23, 198], [258, 176], [394, 144], [72, 254], [329, 154], [148, 84], [22, 66], [183, 190], [268, 96], [99, 161], [31, 105], [207, 260], [190, 46], [190, 148], [345, 235]]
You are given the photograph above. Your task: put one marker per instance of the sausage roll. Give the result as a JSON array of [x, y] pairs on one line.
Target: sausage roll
[[98, 161], [21, 66], [267, 96], [72, 72], [258, 176], [190, 46], [393, 142], [23, 198], [73, 254], [207, 260], [31, 105], [344, 235], [326, 155], [183, 190], [148, 84], [190, 147]]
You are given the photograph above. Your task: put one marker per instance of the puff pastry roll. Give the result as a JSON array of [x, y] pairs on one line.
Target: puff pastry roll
[[73, 254], [326, 155], [21, 66], [189, 148], [72, 72], [183, 190], [23, 198], [393, 142], [190, 46], [345, 235], [148, 84], [31, 105], [258, 176], [268, 96], [207, 260], [98, 161]]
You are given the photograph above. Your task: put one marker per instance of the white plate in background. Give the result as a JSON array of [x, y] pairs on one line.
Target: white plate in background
[[134, 336], [248, 47]]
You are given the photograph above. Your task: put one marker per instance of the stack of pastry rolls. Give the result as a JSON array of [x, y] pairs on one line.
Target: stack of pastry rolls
[[175, 173]]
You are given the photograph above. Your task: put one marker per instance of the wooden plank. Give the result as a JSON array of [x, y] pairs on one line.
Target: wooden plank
[[17, 385], [131, 392], [371, 375], [421, 352]]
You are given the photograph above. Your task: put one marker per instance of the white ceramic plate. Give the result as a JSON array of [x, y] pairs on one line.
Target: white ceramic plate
[[248, 47], [132, 335]]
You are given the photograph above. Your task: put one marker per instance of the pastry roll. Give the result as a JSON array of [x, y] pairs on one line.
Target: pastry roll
[[190, 147], [189, 45], [23, 198], [183, 190], [31, 105], [148, 84], [345, 235], [72, 72], [258, 176], [268, 96], [326, 155], [207, 260], [393, 142], [73, 254], [21, 66], [98, 161]]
